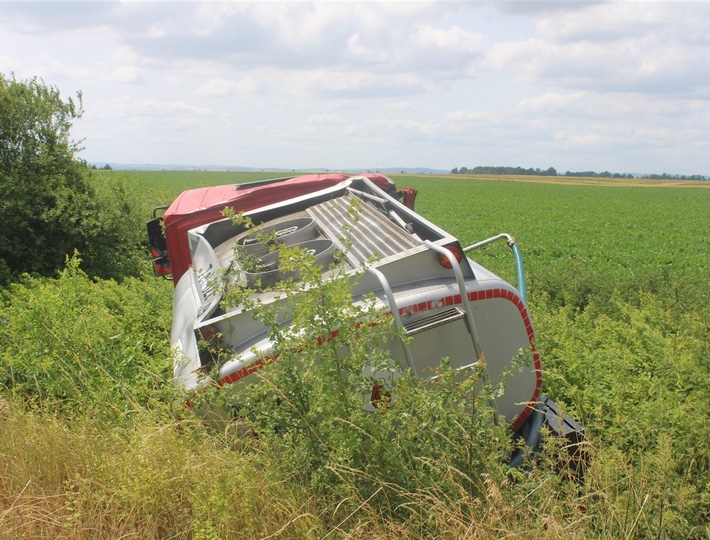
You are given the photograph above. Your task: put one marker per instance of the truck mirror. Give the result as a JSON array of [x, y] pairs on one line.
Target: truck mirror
[[158, 247]]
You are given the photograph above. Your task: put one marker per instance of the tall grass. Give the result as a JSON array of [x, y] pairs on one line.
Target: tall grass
[[94, 443], [152, 478], [158, 479]]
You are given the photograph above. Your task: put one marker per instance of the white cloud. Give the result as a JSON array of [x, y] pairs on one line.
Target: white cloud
[[146, 111], [398, 106], [603, 23], [363, 52], [324, 118], [127, 75], [582, 85], [353, 85], [453, 40], [224, 87], [618, 46]]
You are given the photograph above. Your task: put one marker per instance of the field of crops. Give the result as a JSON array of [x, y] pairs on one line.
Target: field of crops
[[595, 236], [578, 236], [619, 291]]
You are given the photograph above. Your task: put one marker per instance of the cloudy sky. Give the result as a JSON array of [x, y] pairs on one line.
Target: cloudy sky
[[617, 86]]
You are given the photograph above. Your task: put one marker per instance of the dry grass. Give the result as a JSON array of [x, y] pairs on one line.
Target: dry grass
[[148, 480], [154, 480]]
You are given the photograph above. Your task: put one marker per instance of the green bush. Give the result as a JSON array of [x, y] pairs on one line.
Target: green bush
[[310, 407], [637, 376], [84, 346], [52, 202], [115, 247]]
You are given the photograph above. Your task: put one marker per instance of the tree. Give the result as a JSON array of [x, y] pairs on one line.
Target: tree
[[48, 205]]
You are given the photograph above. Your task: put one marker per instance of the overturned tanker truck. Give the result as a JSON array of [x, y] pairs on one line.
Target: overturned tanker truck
[[447, 304]]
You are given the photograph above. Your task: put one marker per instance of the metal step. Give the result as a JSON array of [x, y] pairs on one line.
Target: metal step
[[364, 235], [434, 321]]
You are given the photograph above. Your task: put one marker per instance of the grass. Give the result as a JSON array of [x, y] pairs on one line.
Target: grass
[[147, 480], [619, 286]]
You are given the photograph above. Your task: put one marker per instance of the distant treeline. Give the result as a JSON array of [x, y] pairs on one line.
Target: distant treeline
[[553, 172]]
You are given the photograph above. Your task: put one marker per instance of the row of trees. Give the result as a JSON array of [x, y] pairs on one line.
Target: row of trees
[[505, 170], [666, 176], [593, 174], [520, 171]]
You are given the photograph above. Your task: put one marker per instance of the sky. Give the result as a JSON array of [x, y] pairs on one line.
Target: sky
[[579, 86]]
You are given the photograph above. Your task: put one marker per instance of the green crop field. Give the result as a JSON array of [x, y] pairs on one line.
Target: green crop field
[[94, 445], [650, 238], [585, 236]]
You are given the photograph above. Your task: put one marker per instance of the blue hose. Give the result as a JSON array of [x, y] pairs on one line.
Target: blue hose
[[521, 272]]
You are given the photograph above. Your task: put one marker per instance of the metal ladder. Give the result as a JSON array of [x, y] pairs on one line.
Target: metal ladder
[[466, 313]]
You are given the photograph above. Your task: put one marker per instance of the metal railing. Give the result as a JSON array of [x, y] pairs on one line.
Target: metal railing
[[522, 289]]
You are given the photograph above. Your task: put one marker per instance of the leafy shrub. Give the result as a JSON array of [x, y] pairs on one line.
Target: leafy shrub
[[310, 407], [637, 377], [83, 346], [115, 247], [52, 204]]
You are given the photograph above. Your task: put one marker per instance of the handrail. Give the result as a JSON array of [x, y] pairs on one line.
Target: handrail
[[395, 313], [522, 289], [467, 308], [462, 291]]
